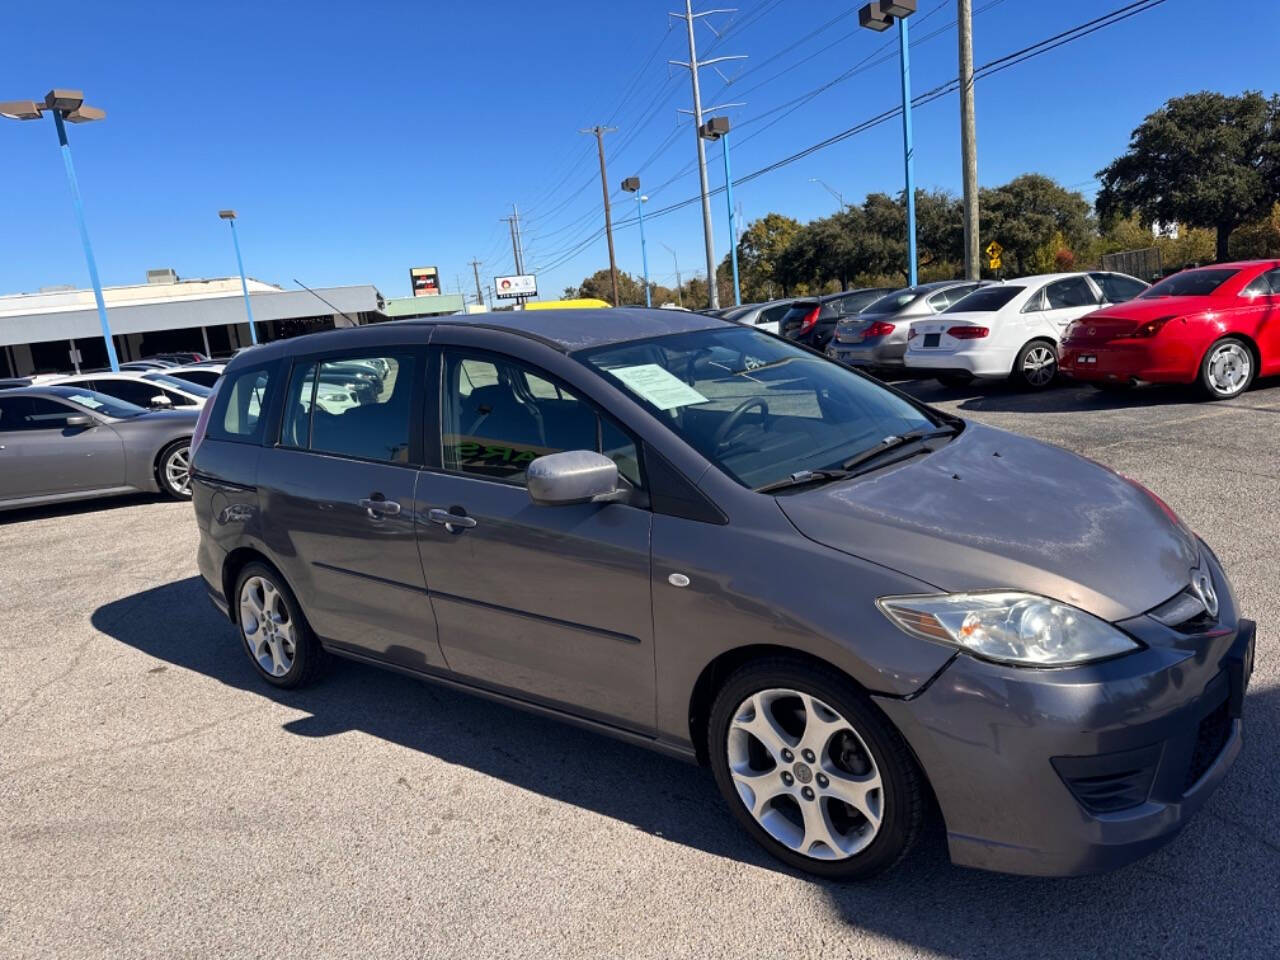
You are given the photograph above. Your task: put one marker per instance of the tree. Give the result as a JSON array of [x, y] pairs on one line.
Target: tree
[[600, 286], [1205, 159], [759, 248], [1027, 213]]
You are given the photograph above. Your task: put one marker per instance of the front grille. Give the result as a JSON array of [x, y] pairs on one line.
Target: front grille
[[1211, 738], [1111, 781]]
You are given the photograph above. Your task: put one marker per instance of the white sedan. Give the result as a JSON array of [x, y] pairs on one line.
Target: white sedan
[[147, 390], [1011, 329]]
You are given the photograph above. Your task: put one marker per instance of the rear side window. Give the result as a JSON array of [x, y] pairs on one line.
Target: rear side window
[[985, 299], [1265, 284], [242, 406], [1118, 288], [360, 408], [1072, 292]]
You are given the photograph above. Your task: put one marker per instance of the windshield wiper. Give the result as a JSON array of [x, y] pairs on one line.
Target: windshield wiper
[[802, 478], [897, 442]]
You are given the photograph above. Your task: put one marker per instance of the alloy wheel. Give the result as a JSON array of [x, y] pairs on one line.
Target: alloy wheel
[[267, 627], [177, 470], [805, 774], [1039, 365], [1229, 368]]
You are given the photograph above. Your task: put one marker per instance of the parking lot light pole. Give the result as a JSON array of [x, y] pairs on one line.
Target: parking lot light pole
[[632, 185], [230, 217], [69, 105], [879, 16], [717, 128]]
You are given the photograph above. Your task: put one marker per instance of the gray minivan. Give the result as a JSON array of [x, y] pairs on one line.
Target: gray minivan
[[719, 544]]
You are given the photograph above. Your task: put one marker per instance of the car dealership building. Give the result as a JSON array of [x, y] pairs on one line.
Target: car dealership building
[[57, 329]]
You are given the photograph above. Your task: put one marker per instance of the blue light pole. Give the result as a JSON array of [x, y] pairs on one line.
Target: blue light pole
[[69, 105], [230, 217], [879, 16], [632, 185], [733, 231]]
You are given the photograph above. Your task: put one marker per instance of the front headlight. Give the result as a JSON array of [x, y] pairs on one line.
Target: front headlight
[[1018, 628]]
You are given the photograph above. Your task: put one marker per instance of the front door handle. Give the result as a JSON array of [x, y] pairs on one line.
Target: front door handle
[[378, 507], [453, 522]]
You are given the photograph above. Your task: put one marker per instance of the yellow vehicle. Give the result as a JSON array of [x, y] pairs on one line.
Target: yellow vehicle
[[584, 303]]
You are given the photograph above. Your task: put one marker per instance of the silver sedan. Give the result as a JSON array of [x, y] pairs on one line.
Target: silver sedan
[[62, 443], [877, 337]]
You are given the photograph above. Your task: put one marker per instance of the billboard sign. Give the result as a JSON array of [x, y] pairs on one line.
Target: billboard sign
[[425, 281], [522, 285]]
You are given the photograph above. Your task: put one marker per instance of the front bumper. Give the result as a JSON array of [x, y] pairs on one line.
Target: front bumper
[[1084, 769]]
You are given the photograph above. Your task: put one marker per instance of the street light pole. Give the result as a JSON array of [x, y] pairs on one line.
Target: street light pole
[[230, 217], [632, 185], [830, 189], [69, 105], [676, 261], [879, 16]]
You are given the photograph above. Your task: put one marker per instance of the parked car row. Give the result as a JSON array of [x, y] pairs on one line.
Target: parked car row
[[1217, 326]]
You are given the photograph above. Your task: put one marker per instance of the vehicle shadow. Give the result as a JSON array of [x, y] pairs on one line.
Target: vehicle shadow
[[1198, 896], [74, 507], [1067, 397]]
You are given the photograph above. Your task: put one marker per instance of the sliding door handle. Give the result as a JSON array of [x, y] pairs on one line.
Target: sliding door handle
[[453, 522]]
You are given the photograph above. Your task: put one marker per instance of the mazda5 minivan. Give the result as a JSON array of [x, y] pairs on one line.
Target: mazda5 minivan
[[719, 544]]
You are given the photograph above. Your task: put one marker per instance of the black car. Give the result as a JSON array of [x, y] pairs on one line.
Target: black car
[[813, 321]]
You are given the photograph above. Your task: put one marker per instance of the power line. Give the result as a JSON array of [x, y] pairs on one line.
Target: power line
[[988, 69]]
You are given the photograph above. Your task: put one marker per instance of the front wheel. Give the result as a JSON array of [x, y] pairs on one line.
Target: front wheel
[[173, 469], [1227, 369], [1036, 365], [813, 771]]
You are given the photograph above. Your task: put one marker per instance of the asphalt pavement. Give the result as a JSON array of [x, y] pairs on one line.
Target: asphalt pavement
[[157, 800]]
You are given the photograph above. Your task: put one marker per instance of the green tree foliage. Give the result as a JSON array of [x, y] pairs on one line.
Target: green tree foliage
[[1205, 159], [630, 289], [1026, 215], [759, 248]]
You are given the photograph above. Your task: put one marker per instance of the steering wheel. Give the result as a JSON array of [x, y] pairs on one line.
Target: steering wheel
[[731, 421]]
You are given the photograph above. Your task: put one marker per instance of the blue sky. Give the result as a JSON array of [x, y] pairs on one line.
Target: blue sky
[[358, 140]]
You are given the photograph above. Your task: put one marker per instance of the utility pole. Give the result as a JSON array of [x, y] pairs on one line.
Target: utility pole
[[599, 132], [513, 222], [475, 269], [679, 291], [693, 64], [968, 141]]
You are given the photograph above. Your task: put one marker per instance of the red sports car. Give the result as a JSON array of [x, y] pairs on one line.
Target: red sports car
[[1216, 326]]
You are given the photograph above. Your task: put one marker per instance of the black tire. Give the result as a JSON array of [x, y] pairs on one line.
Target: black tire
[[904, 793], [1235, 351], [1034, 379], [955, 380], [176, 456], [308, 656]]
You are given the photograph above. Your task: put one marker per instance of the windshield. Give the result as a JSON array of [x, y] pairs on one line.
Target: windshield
[[757, 407], [1189, 283], [985, 299], [186, 386], [98, 402], [891, 302]]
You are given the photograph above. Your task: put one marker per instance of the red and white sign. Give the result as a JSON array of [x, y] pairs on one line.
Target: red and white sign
[[521, 285]]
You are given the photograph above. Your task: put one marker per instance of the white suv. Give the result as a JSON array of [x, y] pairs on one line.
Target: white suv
[[1011, 328]]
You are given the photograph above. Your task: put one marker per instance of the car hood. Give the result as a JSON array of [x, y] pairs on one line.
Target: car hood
[[994, 510]]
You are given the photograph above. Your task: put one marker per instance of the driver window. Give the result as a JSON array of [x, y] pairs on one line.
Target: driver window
[[499, 416]]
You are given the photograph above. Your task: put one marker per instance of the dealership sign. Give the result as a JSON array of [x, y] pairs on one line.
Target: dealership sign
[[425, 280], [523, 285]]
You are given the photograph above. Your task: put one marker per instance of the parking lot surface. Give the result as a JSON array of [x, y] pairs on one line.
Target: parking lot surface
[[156, 799]]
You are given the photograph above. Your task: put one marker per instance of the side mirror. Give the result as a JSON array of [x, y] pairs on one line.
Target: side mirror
[[575, 476], [79, 420], [161, 402]]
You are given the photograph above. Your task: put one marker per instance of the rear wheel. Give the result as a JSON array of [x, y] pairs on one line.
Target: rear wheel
[[1036, 365], [1227, 369], [813, 771], [276, 635], [173, 469]]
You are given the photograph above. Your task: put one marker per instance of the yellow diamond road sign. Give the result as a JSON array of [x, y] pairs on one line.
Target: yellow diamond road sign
[[994, 250]]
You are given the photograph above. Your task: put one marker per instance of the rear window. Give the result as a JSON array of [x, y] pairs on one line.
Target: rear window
[[197, 389], [1190, 283], [891, 303], [241, 406], [985, 299]]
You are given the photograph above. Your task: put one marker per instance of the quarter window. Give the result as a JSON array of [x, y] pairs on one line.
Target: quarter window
[[360, 408], [499, 416], [241, 407]]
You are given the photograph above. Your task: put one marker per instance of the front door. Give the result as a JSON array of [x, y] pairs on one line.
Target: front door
[[339, 491], [552, 603], [40, 454]]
